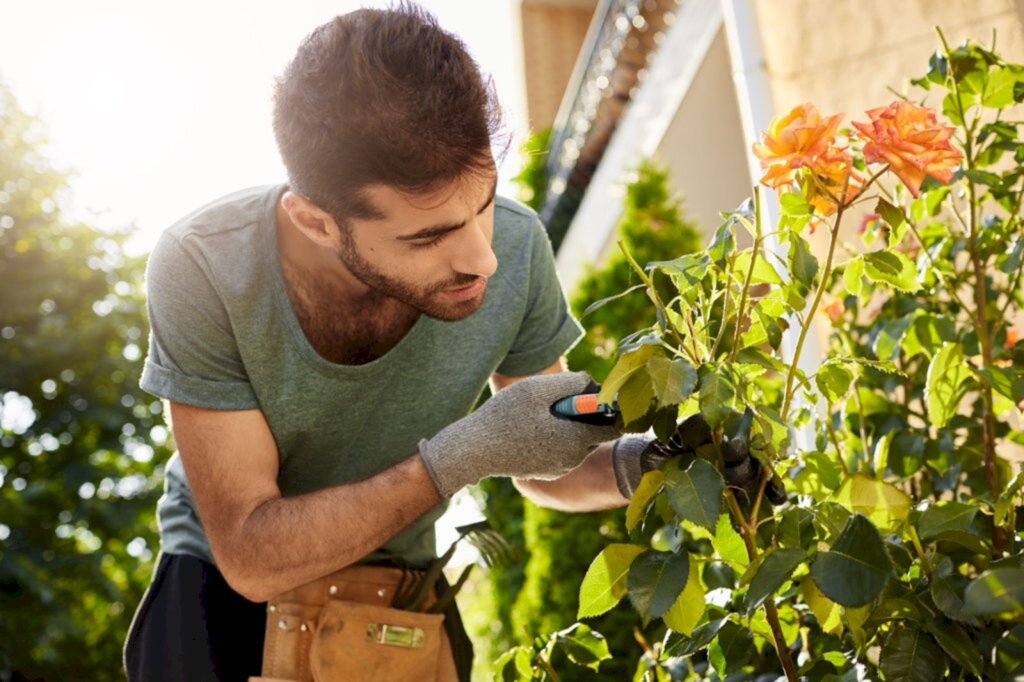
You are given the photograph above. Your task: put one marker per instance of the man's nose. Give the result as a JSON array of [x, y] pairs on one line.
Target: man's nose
[[475, 255]]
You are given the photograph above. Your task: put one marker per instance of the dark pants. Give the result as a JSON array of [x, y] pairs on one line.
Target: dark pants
[[192, 626]]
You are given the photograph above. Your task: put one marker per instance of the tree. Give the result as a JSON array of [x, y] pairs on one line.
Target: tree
[[80, 444]]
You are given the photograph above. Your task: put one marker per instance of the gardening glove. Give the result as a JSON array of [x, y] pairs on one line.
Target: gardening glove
[[515, 433], [634, 455]]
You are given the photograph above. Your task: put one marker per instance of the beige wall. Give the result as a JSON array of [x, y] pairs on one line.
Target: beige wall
[[552, 36], [703, 147]]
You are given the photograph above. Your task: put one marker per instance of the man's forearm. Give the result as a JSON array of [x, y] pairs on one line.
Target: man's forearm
[[589, 487], [288, 541]]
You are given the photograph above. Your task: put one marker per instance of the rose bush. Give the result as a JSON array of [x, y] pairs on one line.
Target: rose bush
[[899, 553]]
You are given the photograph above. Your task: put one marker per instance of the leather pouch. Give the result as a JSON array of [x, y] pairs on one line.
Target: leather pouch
[[355, 642]]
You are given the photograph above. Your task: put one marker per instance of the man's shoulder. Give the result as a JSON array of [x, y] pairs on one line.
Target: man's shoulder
[[240, 210]]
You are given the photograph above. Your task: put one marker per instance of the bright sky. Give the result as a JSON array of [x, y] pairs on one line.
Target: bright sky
[[161, 107]]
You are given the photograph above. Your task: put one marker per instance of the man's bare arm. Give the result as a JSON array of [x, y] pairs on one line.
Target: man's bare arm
[[264, 543], [589, 487]]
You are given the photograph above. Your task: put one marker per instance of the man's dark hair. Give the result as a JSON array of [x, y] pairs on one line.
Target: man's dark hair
[[382, 97]]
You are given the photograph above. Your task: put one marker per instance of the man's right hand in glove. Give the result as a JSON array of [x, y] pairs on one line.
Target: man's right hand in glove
[[516, 434]]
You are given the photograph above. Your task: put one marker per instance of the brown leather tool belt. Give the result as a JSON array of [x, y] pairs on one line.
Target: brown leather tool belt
[[342, 628]]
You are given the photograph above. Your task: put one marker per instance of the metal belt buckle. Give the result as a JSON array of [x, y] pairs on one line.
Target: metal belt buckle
[[394, 635]]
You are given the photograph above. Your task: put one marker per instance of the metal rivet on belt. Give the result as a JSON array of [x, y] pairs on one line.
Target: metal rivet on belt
[[272, 608], [333, 589], [382, 592], [304, 627], [282, 624]]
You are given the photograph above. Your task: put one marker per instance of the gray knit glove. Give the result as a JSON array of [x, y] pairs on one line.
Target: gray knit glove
[[514, 434]]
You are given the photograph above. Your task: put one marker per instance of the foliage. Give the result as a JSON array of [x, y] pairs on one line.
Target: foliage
[[79, 442], [899, 553]]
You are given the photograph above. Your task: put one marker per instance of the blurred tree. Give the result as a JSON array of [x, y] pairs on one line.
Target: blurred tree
[[79, 442]]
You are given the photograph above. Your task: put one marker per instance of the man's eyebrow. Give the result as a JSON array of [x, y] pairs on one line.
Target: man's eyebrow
[[438, 230]]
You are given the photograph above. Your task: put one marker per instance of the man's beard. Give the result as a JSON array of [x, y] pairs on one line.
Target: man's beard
[[428, 301]]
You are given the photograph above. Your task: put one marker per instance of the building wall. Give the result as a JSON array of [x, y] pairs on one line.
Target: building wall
[[552, 35], [703, 147]]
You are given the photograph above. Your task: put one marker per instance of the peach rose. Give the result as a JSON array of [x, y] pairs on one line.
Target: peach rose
[[912, 141], [825, 183], [793, 141], [1012, 337]]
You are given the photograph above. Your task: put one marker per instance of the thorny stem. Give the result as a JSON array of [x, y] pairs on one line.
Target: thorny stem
[[988, 416]]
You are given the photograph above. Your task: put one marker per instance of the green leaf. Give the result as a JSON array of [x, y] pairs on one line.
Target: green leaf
[[696, 493], [1005, 380], [999, 90], [857, 567], [802, 263], [687, 646], [895, 219], [635, 396], [1010, 262], [887, 343], [692, 267], [834, 380], [764, 272], [796, 528], [716, 395], [853, 275], [958, 644], [1007, 499], [775, 568], [644, 494], [945, 516], [627, 365], [825, 468], [892, 268], [731, 649], [946, 373], [824, 609], [584, 646], [672, 380], [599, 304], [729, 544], [655, 581], [881, 502], [722, 244], [604, 585], [686, 613], [996, 592], [912, 655]]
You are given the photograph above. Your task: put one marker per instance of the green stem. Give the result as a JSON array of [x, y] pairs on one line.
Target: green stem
[[656, 298], [750, 273], [925, 564]]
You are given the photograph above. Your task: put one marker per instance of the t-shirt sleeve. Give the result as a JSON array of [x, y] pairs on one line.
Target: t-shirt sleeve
[[193, 356], [548, 329]]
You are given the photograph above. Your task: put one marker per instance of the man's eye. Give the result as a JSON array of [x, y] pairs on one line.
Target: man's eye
[[430, 242]]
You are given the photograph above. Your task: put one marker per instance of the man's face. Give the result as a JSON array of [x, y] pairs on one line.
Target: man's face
[[432, 252]]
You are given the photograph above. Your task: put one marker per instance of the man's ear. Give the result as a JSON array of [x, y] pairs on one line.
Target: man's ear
[[310, 220]]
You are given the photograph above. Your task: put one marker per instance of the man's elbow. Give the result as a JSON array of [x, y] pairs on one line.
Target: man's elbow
[[244, 576]]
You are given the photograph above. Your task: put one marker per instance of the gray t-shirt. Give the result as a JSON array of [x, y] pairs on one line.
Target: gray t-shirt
[[224, 336]]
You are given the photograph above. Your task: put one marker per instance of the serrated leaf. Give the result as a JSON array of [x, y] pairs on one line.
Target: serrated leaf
[[774, 569], [802, 263], [887, 343], [824, 609], [999, 591], [895, 219], [716, 396], [627, 365], [892, 268], [1010, 262], [945, 516], [583, 646], [912, 655], [764, 272], [1006, 381], [655, 581], [853, 275], [833, 380], [696, 493], [604, 584], [946, 373], [604, 301], [702, 636], [856, 568], [672, 380], [958, 644], [644, 494], [882, 503], [691, 267], [999, 89], [686, 613], [948, 594], [731, 649], [729, 545]]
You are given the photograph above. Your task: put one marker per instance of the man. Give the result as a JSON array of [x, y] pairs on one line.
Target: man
[[321, 344]]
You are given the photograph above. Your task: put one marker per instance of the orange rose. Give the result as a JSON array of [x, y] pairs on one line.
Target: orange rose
[[826, 182], [834, 310], [1012, 337], [793, 141], [912, 141]]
